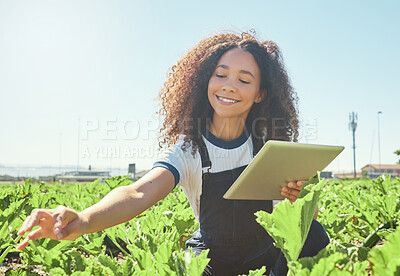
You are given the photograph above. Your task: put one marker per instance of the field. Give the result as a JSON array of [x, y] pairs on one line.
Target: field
[[360, 217]]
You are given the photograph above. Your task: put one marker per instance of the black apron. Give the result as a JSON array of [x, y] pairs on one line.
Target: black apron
[[228, 228]]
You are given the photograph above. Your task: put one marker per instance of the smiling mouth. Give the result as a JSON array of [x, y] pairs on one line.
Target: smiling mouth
[[226, 100]]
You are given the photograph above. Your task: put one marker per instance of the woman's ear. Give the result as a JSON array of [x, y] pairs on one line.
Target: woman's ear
[[261, 96]]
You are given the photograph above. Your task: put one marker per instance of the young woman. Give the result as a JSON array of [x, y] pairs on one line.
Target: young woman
[[222, 101]]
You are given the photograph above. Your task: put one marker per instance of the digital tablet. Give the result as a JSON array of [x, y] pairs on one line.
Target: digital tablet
[[277, 163]]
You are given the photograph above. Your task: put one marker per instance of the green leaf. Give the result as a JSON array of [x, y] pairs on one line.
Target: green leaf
[[386, 259], [78, 262], [196, 265], [144, 259], [257, 272], [289, 223], [117, 181], [26, 187], [148, 272], [92, 243], [359, 269], [309, 262], [5, 252], [305, 188], [106, 271], [128, 267], [91, 187], [81, 273], [164, 270], [164, 252], [383, 183], [12, 213], [108, 262], [324, 266], [57, 271], [363, 253]]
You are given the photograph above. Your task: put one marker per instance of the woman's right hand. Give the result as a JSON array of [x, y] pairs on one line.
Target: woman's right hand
[[61, 223], [118, 206]]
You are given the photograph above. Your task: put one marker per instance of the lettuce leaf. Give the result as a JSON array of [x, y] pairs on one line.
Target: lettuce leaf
[[289, 223], [386, 259]]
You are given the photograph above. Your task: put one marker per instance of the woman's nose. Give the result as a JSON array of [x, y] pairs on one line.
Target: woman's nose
[[229, 85]]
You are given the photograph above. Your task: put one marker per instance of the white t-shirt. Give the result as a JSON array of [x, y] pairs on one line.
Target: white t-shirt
[[187, 170]]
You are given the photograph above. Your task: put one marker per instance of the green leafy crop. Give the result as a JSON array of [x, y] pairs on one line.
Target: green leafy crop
[[289, 223], [386, 259], [361, 218]]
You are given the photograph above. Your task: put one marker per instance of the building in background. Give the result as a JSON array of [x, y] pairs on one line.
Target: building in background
[[375, 170], [83, 175]]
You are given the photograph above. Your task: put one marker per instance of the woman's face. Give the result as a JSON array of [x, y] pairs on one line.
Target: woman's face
[[234, 86]]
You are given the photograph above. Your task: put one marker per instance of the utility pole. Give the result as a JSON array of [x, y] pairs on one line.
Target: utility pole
[[379, 142], [353, 126], [59, 154], [79, 139]]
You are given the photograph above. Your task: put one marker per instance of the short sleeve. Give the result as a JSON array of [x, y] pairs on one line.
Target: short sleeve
[[178, 161], [169, 167]]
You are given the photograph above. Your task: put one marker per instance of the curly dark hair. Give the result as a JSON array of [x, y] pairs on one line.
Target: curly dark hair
[[187, 110]]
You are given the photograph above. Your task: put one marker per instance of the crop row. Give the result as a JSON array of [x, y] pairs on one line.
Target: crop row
[[360, 217]]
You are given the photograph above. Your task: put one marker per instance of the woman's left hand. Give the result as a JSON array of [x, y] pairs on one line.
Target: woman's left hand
[[292, 190]]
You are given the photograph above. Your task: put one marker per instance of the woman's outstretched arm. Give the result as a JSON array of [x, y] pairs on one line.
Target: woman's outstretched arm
[[120, 205]]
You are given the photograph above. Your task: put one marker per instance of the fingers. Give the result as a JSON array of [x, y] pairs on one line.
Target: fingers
[[34, 235], [296, 185], [23, 244], [33, 219], [23, 228], [60, 223], [291, 194], [62, 219], [292, 190]]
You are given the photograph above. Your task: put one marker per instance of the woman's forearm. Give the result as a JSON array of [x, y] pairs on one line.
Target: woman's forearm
[[118, 206], [126, 202]]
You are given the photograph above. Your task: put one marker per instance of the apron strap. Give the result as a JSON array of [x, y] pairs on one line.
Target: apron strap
[[205, 158]]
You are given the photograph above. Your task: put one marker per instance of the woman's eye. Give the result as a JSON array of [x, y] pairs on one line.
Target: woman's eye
[[219, 76], [246, 82]]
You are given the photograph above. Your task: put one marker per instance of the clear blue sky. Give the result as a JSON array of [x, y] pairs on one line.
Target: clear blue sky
[[105, 61]]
